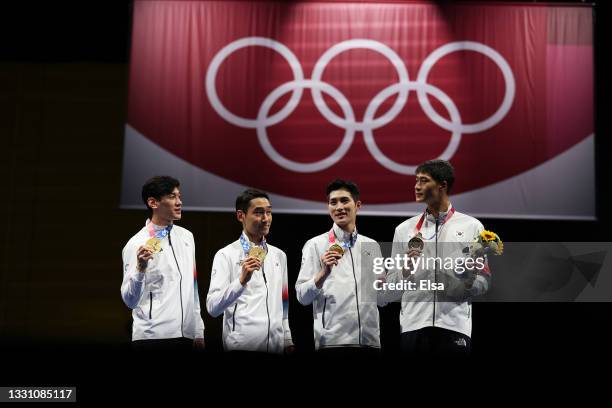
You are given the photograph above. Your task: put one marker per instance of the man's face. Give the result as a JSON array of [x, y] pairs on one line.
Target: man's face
[[168, 208], [342, 208], [258, 219], [427, 190]]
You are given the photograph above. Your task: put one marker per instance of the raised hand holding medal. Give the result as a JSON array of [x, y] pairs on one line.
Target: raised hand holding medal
[[330, 259], [336, 248], [255, 256], [257, 252], [152, 246], [334, 253], [143, 255], [416, 242]]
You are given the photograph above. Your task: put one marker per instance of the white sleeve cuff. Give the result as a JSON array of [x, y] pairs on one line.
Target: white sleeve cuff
[[311, 287], [236, 288]]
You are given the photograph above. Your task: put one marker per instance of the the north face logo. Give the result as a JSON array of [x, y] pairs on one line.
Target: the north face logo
[[461, 342]]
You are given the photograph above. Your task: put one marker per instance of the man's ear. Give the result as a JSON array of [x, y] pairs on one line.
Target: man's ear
[[358, 204], [152, 202], [239, 216], [444, 184]]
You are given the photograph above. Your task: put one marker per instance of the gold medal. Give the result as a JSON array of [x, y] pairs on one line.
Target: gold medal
[[257, 252], [154, 244], [337, 248]]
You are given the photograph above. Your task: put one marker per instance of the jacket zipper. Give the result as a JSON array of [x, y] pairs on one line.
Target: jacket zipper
[[150, 305], [433, 318], [267, 309], [180, 283], [356, 295], [324, 306], [234, 317]]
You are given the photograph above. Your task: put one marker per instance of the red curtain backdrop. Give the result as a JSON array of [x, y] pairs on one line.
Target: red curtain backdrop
[[301, 93]]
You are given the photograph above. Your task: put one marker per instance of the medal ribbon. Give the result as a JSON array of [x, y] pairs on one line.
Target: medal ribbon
[[246, 244], [422, 219], [344, 245], [161, 234]]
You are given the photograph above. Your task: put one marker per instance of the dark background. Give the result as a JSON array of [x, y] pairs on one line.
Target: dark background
[[63, 98]]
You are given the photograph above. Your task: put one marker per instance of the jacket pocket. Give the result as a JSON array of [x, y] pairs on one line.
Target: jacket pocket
[[323, 315], [150, 305]]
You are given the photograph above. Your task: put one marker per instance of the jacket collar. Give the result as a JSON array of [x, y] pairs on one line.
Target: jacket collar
[[344, 236], [441, 217]]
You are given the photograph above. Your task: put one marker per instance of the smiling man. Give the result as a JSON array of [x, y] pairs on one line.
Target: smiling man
[[332, 278], [437, 322], [159, 274], [249, 283]]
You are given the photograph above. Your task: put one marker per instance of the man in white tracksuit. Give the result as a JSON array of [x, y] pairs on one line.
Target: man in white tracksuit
[[337, 278], [249, 283], [159, 274], [437, 321]]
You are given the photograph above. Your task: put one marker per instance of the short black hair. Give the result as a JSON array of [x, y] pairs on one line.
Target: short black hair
[[243, 201], [157, 187], [339, 184], [439, 170]]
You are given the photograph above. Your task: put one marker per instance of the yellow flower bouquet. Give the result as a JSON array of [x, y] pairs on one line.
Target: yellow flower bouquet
[[487, 242]]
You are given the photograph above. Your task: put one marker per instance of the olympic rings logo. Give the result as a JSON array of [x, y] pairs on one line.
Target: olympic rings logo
[[370, 121]]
